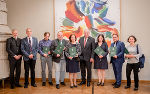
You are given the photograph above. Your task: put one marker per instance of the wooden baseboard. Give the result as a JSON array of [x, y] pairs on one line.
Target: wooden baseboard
[[95, 80]]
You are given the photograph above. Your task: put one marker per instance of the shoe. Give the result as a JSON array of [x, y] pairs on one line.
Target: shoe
[[44, 84], [102, 84], [116, 86], [99, 83], [136, 88], [63, 83], [50, 83], [82, 82], [57, 86], [88, 84], [34, 85], [75, 86], [18, 85], [25, 86], [12, 87], [126, 87], [71, 86]]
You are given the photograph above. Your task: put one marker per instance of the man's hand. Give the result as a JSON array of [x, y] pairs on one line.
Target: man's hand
[[115, 56], [70, 58], [58, 55], [100, 56], [45, 55], [49, 52], [16, 57], [92, 60], [31, 56]]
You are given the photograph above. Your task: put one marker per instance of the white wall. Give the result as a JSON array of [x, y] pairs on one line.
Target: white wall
[[38, 15]]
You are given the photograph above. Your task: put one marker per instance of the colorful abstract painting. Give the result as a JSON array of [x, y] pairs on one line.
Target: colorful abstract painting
[[99, 16]]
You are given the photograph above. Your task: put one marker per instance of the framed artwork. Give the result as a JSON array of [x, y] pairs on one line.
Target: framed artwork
[[98, 16]]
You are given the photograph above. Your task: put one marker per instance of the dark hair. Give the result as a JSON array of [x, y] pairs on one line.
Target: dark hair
[[46, 33], [102, 37], [71, 36], [115, 34], [132, 37]]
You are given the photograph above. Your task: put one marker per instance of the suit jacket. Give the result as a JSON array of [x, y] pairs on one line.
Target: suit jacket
[[120, 52], [13, 47], [53, 47], [87, 52], [25, 48]]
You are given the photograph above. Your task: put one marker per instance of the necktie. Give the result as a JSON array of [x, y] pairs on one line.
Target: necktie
[[115, 44], [84, 42], [30, 45]]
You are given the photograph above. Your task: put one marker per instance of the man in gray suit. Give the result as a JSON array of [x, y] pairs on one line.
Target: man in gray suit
[[87, 56], [59, 59], [29, 48]]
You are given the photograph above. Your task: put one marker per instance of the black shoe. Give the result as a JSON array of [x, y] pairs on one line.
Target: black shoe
[[126, 87], [63, 83], [116, 86], [12, 87], [88, 84], [82, 82], [50, 83], [136, 88], [102, 84], [44, 84], [57, 86], [99, 83], [75, 86], [34, 85], [18, 85], [71, 86], [25, 86]]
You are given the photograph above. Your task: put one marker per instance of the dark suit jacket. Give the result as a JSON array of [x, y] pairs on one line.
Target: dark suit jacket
[[87, 52], [13, 47], [25, 48], [53, 47], [120, 52]]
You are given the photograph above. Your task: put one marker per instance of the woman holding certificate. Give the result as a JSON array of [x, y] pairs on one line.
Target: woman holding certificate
[[134, 52], [73, 50], [100, 58]]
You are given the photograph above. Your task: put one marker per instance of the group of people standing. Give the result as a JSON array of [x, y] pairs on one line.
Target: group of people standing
[[28, 48]]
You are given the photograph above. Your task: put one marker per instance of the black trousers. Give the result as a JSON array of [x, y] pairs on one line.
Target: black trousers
[[135, 68], [30, 64], [14, 64], [83, 66]]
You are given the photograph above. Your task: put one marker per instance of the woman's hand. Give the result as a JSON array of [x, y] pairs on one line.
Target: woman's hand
[[70, 58], [100, 56]]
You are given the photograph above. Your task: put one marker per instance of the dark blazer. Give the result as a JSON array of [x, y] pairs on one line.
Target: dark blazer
[[53, 47], [120, 52], [13, 47], [25, 48], [87, 52]]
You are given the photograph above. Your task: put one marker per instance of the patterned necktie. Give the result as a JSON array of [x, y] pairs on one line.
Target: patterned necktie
[[30, 45]]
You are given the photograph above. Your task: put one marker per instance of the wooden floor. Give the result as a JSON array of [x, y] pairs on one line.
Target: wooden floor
[[107, 89]]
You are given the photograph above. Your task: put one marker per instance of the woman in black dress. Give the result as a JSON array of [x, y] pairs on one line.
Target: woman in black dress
[[100, 62], [72, 65]]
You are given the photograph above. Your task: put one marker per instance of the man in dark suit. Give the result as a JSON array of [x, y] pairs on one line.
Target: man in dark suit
[[59, 59], [117, 60], [29, 48], [87, 56], [13, 47]]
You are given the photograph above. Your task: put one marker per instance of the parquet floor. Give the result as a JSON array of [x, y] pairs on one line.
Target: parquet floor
[[107, 89]]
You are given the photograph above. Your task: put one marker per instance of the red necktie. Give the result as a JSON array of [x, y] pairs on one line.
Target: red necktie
[[84, 42]]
